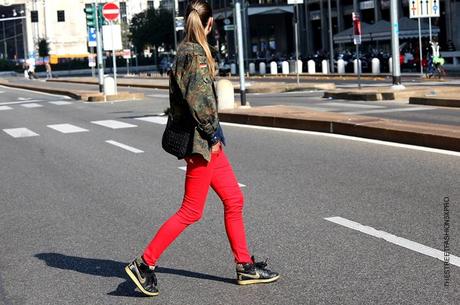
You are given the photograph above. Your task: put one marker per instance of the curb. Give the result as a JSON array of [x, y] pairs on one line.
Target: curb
[[435, 101], [45, 90], [364, 96], [118, 84], [364, 127]]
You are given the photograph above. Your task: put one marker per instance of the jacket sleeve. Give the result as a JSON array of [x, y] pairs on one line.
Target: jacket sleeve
[[196, 85]]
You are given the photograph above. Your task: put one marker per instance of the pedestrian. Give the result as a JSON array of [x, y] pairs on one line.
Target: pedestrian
[[193, 98], [31, 70], [49, 74]]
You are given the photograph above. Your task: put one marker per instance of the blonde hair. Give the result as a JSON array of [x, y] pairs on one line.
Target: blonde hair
[[197, 16]]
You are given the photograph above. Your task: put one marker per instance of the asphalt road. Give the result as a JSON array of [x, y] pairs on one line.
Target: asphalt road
[[75, 209]]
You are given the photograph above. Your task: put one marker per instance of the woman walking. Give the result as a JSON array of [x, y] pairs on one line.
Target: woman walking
[[192, 97]]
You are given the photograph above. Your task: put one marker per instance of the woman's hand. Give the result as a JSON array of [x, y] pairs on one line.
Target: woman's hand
[[216, 147]]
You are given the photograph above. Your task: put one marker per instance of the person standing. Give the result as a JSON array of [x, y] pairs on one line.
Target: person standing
[[193, 98], [49, 72]]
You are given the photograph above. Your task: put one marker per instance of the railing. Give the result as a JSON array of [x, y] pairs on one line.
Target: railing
[[452, 59]]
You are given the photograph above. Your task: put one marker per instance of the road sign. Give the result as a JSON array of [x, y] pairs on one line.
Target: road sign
[[356, 28], [126, 53], [92, 37], [112, 37], [424, 8], [229, 27], [92, 60], [111, 11]]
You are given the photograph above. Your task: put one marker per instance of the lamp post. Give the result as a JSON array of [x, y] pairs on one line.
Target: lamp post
[[5, 51]]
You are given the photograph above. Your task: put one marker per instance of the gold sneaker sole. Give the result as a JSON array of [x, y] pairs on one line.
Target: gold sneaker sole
[[257, 281], [138, 284]]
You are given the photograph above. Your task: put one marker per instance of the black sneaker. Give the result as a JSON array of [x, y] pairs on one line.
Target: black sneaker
[[143, 276], [254, 273]]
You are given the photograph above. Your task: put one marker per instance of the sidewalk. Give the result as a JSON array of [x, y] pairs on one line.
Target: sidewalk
[[421, 134]]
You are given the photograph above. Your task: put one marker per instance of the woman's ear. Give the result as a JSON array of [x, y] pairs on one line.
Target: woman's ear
[[209, 25]]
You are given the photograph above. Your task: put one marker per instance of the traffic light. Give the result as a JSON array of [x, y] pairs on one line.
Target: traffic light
[[100, 16], [90, 16]]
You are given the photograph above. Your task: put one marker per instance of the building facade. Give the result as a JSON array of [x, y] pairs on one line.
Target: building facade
[[62, 23]]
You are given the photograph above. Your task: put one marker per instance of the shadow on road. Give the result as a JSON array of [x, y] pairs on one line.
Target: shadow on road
[[111, 268]]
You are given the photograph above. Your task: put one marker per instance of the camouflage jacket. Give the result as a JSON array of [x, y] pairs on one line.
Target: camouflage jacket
[[192, 96]]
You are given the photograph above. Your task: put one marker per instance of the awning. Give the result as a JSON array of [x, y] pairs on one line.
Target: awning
[[270, 10], [408, 28]]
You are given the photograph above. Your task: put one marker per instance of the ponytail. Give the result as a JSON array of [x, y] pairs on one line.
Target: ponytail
[[197, 11]]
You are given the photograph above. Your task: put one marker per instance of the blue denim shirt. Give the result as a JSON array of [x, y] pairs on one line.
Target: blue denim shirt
[[218, 135]]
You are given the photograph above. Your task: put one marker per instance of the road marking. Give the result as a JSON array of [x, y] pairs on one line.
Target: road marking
[[159, 95], [24, 98], [20, 132], [390, 110], [126, 147], [31, 105], [2, 92], [67, 128], [352, 105], [113, 124], [21, 102], [5, 108], [154, 119], [338, 136], [400, 241], [36, 92], [60, 103], [184, 168]]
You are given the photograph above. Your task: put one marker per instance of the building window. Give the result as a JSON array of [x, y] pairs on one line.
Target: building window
[[60, 16], [34, 16]]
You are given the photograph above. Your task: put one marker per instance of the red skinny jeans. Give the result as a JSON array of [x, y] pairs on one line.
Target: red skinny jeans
[[201, 174]]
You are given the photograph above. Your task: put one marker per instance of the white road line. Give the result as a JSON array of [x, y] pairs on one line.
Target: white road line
[[159, 95], [5, 108], [60, 103], [31, 105], [390, 110], [126, 147], [24, 98], [352, 105], [113, 124], [154, 119], [350, 138], [20, 132], [406, 243], [20, 102], [36, 92], [67, 128], [184, 168], [2, 92]]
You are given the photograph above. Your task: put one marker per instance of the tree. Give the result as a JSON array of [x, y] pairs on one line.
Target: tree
[[43, 47], [152, 28]]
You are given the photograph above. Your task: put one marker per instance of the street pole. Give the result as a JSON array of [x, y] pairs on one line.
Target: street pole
[[431, 36], [174, 22], [114, 58], [5, 51], [331, 43], [395, 43], [100, 60], [240, 52], [296, 31], [420, 46]]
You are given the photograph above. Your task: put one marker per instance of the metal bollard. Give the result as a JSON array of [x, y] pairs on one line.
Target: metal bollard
[[233, 69], [299, 66], [375, 66], [225, 94], [262, 68], [390, 64], [273, 68], [311, 67], [285, 67], [340, 66], [252, 68], [325, 66]]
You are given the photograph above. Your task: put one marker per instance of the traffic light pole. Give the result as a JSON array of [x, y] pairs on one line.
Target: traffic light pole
[[239, 30], [100, 62], [395, 43]]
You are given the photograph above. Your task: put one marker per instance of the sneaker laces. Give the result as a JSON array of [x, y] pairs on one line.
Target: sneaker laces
[[260, 265]]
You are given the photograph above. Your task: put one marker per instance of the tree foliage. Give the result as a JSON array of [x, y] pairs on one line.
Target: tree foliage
[[43, 46], [152, 28]]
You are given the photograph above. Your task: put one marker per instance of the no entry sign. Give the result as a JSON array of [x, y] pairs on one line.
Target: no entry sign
[[111, 11]]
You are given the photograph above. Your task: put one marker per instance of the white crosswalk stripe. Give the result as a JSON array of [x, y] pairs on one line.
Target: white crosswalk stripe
[[5, 108], [67, 128], [125, 147], [113, 124], [31, 105], [60, 103], [154, 119], [20, 132]]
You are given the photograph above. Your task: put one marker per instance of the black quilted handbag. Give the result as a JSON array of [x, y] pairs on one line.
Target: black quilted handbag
[[177, 138]]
